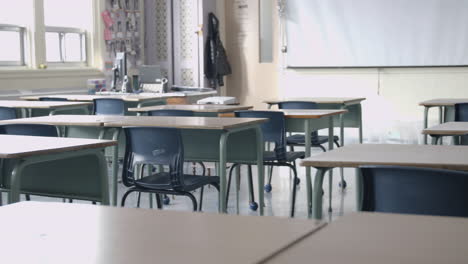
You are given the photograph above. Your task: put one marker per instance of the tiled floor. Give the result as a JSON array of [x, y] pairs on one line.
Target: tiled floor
[[277, 202]]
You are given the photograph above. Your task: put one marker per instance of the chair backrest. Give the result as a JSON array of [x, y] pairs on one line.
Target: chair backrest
[[273, 131], [7, 113], [297, 105], [170, 112], [157, 146], [109, 106], [409, 190], [60, 99], [29, 130]]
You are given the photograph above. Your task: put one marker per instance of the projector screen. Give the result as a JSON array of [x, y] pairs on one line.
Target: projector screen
[[377, 33]]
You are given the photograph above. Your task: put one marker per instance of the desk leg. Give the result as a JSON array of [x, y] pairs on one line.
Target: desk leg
[[317, 200], [308, 143], [441, 120], [260, 168], [341, 118], [360, 123], [222, 171], [359, 190], [426, 117], [330, 174], [115, 167]]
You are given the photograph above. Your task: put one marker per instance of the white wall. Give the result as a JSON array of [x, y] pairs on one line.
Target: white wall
[[391, 111]]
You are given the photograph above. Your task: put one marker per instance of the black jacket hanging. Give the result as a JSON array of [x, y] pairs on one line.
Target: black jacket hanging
[[216, 61]]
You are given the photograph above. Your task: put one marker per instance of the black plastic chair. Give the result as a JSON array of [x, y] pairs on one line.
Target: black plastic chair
[[176, 112], [7, 113], [408, 190], [57, 99], [109, 106], [159, 146], [273, 131], [170, 112], [461, 115], [29, 130]]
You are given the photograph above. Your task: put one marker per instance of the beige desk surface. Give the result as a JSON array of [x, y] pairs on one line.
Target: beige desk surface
[[80, 233], [39, 104], [449, 128], [65, 120], [25, 146], [88, 98], [215, 123], [427, 156], [320, 100], [371, 238], [212, 108], [319, 113], [444, 102]]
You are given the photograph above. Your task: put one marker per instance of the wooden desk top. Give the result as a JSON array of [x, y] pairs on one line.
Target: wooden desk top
[[90, 97], [65, 120], [213, 123], [426, 156], [449, 128], [25, 146], [320, 100], [80, 233], [319, 113], [444, 102], [385, 239], [211, 108], [39, 104]]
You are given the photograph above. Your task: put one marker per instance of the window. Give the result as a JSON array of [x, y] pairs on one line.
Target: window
[[13, 21], [66, 25], [36, 33]]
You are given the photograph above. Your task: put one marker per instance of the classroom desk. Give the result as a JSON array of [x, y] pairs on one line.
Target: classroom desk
[[51, 106], [131, 100], [353, 118], [353, 156], [81, 123], [57, 233], [454, 129], [446, 110], [199, 110], [55, 167], [385, 239], [213, 139], [306, 121]]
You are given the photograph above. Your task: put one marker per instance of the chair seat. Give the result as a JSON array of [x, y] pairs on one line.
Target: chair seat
[[290, 156], [299, 139], [161, 181]]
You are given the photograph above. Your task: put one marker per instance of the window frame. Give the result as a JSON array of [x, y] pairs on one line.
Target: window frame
[[61, 31], [22, 35]]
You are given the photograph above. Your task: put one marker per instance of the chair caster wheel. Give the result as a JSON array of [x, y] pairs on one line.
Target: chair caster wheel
[[342, 184], [253, 206], [267, 188], [166, 200], [298, 181]]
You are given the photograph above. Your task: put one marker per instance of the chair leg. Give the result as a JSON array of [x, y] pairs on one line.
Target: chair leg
[[158, 201], [294, 190], [252, 204], [28, 197], [322, 148], [200, 206], [194, 201], [229, 183], [93, 202], [138, 200], [124, 197], [203, 168], [337, 144]]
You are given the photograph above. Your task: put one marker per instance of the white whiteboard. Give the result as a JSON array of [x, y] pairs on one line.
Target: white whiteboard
[[377, 33]]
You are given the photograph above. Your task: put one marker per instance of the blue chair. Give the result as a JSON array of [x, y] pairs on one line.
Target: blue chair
[[176, 112], [408, 190], [7, 113], [109, 106], [170, 112], [461, 115], [57, 99], [159, 146], [29, 130], [273, 131]]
